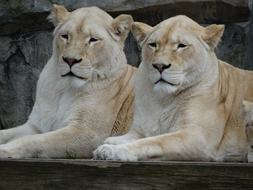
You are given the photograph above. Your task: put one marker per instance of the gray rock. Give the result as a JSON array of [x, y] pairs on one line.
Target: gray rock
[[7, 48], [250, 4], [249, 58], [30, 15], [26, 39], [19, 71], [233, 46]]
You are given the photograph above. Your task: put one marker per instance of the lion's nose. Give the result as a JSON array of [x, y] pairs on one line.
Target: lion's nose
[[161, 67], [71, 61]]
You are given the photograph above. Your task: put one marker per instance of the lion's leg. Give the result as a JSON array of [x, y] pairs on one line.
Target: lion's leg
[[131, 136], [74, 141], [7, 135], [250, 154], [250, 148], [249, 130], [248, 84], [248, 108], [181, 145]]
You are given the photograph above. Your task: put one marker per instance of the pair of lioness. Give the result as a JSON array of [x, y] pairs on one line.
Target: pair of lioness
[[85, 93]]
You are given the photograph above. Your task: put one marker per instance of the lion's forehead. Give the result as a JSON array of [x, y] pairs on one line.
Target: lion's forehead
[[91, 14], [181, 21], [83, 26], [85, 20], [176, 28]]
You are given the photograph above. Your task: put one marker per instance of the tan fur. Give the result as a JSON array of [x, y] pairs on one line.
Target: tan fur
[[196, 112], [78, 104], [125, 114], [248, 111]]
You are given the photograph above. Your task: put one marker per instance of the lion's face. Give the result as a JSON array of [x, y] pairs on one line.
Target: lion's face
[[175, 52], [88, 43]]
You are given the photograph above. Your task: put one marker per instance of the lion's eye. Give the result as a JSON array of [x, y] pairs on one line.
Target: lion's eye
[[65, 36], [181, 46], [152, 45], [92, 39]]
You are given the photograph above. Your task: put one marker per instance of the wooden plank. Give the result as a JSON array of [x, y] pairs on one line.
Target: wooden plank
[[86, 174]]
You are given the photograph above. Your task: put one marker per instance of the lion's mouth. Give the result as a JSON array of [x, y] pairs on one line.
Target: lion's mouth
[[164, 81], [73, 75]]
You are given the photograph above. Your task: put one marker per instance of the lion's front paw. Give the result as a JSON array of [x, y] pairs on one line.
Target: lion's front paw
[[104, 152], [5, 153], [113, 152], [10, 151]]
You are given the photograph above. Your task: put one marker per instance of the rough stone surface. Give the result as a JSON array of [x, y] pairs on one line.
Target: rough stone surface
[[22, 58], [249, 58], [30, 15], [26, 39], [233, 45]]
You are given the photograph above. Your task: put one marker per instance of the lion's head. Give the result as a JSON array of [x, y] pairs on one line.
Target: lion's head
[[177, 52], [88, 43]]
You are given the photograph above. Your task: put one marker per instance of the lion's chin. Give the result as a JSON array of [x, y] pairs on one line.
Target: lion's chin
[[163, 88], [77, 83]]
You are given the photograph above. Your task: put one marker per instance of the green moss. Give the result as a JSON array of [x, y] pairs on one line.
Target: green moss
[[71, 155]]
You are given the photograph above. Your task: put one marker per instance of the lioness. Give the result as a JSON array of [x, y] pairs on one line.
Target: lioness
[[188, 103], [84, 93]]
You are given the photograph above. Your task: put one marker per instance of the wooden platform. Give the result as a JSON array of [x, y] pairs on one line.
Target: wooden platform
[[36, 174]]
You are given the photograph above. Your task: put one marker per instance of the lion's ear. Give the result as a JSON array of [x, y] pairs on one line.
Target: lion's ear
[[58, 14], [213, 34], [140, 31], [121, 26]]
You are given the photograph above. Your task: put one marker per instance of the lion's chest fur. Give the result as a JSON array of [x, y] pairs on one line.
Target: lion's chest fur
[[56, 102], [52, 113], [63, 110], [152, 115], [154, 119], [170, 118]]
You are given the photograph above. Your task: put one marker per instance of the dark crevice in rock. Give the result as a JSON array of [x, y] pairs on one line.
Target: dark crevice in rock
[[28, 22], [19, 53], [7, 68]]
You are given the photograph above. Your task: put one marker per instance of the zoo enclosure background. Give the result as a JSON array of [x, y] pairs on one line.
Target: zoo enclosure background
[[26, 40]]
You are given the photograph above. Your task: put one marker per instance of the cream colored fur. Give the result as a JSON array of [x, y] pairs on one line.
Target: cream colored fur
[[74, 113], [196, 112], [248, 107]]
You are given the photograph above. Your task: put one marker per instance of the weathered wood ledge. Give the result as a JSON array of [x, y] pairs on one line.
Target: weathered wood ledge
[[88, 174]]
